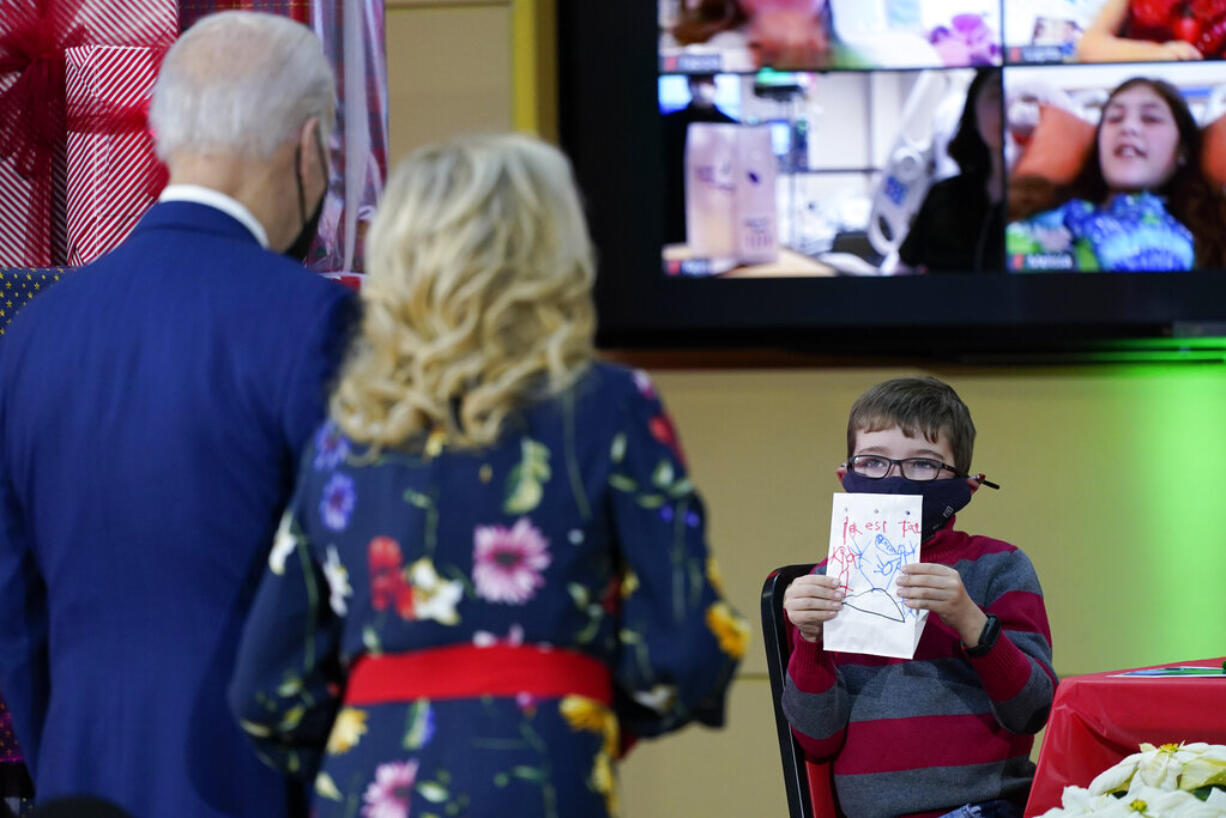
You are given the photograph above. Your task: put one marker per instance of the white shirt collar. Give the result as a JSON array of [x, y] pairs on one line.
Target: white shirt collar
[[220, 201]]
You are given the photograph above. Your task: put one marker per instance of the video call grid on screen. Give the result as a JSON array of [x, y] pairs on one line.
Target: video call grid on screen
[[813, 138]]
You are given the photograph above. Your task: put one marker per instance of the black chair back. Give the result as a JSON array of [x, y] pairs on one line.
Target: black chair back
[[778, 648]]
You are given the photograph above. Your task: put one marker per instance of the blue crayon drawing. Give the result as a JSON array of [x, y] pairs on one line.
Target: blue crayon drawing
[[878, 562]]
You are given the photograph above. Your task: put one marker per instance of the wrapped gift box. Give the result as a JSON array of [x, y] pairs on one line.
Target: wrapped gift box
[[33, 166], [112, 169], [33, 223]]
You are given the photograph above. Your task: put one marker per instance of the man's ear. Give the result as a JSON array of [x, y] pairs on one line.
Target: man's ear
[[840, 472], [310, 148], [973, 482]]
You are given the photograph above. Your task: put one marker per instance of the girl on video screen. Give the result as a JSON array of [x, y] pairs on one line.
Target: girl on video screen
[[1155, 31], [778, 33], [803, 35], [1140, 202], [959, 228]]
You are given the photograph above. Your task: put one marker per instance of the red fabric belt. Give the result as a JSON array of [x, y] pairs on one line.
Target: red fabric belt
[[465, 671]]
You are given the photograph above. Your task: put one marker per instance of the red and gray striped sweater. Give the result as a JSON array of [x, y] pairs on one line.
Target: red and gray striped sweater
[[926, 735]]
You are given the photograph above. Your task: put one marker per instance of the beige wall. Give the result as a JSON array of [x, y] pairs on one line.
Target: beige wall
[[449, 70], [1111, 475]]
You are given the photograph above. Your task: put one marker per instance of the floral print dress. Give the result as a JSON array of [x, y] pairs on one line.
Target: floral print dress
[[578, 530]]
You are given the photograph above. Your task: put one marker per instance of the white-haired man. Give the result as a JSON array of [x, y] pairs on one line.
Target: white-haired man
[[152, 407]]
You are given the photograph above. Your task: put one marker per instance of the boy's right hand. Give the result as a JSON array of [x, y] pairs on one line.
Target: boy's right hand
[[810, 601]]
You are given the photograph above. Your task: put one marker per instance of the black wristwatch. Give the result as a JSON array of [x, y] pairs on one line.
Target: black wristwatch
[[987, 638]]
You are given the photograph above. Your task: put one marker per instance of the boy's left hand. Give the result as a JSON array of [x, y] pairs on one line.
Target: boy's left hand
[[938, 588]]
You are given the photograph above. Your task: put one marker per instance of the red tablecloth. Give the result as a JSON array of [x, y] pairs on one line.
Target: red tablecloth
[[1098, 719]]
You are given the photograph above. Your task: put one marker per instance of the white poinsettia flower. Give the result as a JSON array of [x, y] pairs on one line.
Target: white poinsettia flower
[[283, 544], [1165, 767], [1176, 803], [1077, 801], [1116, 777], [1158, 770], [338, 582], [1207, 767], [1159, 782], [434, 597]]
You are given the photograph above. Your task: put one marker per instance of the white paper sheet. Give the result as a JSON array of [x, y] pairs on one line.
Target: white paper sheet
[[872, 536]]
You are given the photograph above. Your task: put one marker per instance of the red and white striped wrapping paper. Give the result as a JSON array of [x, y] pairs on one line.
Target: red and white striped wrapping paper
[[28, 239], [111, 164], [28, 235], [153, 23]]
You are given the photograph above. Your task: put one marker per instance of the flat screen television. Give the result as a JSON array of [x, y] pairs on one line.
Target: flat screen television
[[809, 173]]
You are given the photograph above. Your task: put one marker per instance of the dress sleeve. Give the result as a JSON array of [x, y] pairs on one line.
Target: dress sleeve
[[285, 690], [24, 670], [679, 640]]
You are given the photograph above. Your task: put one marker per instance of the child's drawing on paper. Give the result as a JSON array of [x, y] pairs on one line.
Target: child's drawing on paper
[[875, 559], [872, 536]]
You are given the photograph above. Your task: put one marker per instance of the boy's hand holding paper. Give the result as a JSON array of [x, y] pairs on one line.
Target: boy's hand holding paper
[[811, 601], [938, 588]]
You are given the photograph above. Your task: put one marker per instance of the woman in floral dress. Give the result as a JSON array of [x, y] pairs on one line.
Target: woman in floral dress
[[493, 576]]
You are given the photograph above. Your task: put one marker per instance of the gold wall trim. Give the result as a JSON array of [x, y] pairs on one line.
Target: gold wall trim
[[534, 67]]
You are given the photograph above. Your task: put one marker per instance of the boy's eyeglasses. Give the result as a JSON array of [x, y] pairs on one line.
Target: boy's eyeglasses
[[916, 469]]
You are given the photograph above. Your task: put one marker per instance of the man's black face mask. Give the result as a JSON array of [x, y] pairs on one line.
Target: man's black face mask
[[310, 224]]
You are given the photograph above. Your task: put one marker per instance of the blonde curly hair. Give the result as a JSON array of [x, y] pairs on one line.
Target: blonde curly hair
[[479, 297]]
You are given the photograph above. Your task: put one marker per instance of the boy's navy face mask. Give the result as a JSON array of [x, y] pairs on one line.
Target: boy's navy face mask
[[942, 498]]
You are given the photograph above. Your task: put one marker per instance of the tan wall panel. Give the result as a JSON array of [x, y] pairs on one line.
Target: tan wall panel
[[448, 72], [711, 773]]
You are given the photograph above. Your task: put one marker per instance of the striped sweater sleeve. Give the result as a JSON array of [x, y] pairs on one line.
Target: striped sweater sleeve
[[1017, 672], [815, 699]]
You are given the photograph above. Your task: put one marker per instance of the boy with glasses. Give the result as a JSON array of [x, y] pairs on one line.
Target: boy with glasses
[[948, 732]]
